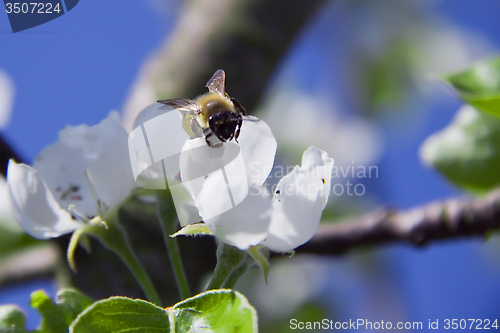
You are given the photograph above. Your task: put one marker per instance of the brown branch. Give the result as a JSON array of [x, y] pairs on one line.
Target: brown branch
[[449, 219], [34, 261]]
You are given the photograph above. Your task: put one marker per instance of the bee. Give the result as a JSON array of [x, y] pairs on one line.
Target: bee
[[214, 115]]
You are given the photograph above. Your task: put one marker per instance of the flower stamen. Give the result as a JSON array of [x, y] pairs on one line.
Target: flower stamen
[[94, 197], [77, 214], [70, 193]]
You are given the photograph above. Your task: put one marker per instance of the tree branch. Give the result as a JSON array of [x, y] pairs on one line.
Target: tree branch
[[449, 219]]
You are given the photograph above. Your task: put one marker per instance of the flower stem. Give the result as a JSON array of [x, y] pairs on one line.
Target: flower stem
[[238, 272], [168, 220], [114, 237], [229, 258]]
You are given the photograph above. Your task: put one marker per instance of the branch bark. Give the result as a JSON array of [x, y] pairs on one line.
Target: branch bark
[[448, 219]]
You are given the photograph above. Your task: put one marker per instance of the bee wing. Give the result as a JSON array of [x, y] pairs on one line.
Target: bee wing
[[251, 118], [239, 108], [182, 104], [216, 83]]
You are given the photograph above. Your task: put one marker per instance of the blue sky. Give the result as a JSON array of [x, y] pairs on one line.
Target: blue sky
[[77, 68]]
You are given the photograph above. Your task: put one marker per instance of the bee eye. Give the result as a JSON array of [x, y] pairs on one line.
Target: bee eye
[[224, 125]]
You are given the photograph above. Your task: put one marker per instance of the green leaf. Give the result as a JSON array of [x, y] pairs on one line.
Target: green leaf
[[212, 311], [479, 85], [121, 314], [467, 151], [56, 317], [215, 311], [11, 320], [261, 259], [196, 229]]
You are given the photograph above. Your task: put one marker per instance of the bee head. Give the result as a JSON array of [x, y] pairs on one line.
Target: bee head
[[225, 125]]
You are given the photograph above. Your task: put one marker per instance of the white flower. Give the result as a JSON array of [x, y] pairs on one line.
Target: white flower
[[223, 187], [84, 174], [159, 148], [299, 200], [219, 179], [284, 221]]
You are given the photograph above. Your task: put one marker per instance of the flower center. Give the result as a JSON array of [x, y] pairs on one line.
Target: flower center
[[70, 193]]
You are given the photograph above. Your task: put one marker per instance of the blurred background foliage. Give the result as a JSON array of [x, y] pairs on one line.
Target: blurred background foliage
[[358, 78]]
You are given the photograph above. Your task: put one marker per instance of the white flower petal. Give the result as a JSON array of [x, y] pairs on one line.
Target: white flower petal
[[258, 147], [246, 224], [299, 201], [215, 177], [184, 204], [34, 206], [158, 137], [105, 149], [6, 219], [319, 166], [190, 180], [166, 138], [152, 111], [63, 170]]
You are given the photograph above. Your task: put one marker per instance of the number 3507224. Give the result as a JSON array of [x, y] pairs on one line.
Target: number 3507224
[[32, 8]]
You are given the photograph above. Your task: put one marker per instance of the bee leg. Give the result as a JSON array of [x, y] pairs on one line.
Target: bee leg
[[238, 128], [210, 143], [236, 135], [195, 128], [238, 107], [207, 137]]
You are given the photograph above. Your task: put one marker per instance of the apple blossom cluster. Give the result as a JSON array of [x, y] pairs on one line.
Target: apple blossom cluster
[[91, 171], [83, 175], [217, 181]]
